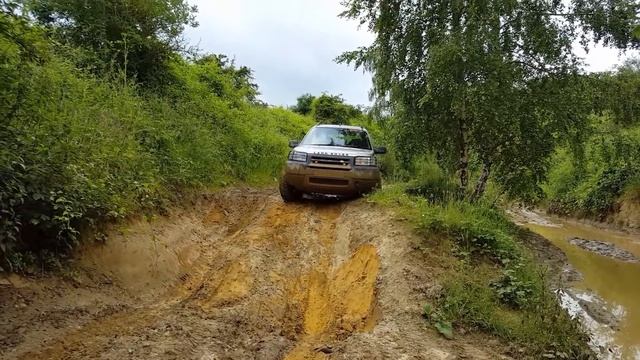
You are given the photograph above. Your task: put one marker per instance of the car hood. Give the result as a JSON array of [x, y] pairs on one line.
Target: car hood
[[333, 150]]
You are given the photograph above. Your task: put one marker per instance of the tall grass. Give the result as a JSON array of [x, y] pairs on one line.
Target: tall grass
[[76, 150], [492, 283]]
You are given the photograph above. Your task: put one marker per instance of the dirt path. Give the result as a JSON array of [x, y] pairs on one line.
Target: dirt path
[[240, 276]]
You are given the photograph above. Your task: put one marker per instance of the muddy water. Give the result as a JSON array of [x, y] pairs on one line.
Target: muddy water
[[616, 282]]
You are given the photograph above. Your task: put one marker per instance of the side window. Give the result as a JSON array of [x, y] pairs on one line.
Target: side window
[[357, 139]]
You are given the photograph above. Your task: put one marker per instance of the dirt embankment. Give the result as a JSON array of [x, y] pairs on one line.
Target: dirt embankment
[[239, 276], [628, 215]]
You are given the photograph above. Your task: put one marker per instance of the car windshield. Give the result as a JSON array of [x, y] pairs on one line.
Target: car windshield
[[330, 136]]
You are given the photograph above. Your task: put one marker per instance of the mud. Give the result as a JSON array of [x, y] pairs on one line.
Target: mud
[[599, 318], [523, 216], [555, 263], [240, 275], [605, 249], [604, 295]]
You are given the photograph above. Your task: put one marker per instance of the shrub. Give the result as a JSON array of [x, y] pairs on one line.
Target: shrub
[[493, 284], [590, 181], [77, 150], [432, 183], [602, 199]]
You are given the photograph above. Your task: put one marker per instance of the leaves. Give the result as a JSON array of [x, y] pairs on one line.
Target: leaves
[[445, 329], [140, 37], [427, 311], [511, 289], [78, 149], [303, 104], [331, 109], [491, 81], [636, 32]]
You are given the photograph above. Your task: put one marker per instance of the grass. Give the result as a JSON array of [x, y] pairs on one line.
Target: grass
[[77, 149], [491, 282], [592, 182]]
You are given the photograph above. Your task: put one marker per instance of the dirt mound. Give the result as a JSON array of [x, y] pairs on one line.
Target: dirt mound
[[240, 275]]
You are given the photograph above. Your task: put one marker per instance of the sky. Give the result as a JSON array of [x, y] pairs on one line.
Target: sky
[[291, 46]]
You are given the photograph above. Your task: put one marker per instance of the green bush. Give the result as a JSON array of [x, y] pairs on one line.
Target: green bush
[[432, 183], [76, 150], [493, 284], [602, 199], [591, 181]]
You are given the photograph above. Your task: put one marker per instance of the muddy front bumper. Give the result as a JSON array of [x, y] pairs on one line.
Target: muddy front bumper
[[351, 182]]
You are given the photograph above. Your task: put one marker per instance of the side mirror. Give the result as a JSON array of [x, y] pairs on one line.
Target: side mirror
[[380, 150], [294, 143]]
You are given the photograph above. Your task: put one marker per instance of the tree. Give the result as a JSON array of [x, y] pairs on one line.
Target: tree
[[331, 109], [138, 37], [219, 69], [618, 92], [303, 104], [491, 82]]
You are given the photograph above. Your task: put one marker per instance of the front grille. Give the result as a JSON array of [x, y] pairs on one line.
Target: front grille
[[339, 163], [327, 181]]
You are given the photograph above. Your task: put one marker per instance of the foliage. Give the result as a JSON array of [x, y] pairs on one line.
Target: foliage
[[591, 181], [602, 199], [494, 81], [444, 327], [77, 149], [492, 284], [331, 109], [432, 183], [542, 327], [512, 290], [137, 37], [618, 93], [240, 79], [303, 104]]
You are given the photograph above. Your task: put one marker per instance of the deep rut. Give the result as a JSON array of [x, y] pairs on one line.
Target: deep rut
[[245, 276]]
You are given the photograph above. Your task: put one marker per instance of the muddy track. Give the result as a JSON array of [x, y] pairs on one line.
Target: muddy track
[[240, 276]]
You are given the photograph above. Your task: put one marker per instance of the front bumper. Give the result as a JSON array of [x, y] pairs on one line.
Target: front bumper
[[352, 182]]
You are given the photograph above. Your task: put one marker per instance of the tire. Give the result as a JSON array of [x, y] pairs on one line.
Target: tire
[[289, 193]]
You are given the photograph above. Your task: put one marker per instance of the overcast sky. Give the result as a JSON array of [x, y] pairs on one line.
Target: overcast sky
[[291, 44]]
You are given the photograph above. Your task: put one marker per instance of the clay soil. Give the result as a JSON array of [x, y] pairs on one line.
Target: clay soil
[[240, 275]]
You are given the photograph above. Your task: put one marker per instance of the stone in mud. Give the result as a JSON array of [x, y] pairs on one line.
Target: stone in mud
[[604, 249]]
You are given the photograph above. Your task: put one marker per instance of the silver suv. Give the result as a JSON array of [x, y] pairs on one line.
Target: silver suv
[[331, 159]]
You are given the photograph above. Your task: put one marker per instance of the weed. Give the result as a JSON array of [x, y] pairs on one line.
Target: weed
[[494, 285], [76, 150]]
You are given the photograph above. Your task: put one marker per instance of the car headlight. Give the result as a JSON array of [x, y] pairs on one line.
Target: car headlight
[[365, 161], [298, 156]]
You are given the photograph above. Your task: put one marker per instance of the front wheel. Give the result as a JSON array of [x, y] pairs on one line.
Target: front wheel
[[289, 193]]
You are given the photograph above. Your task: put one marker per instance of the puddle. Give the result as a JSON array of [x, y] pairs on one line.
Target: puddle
[[615, 281]]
